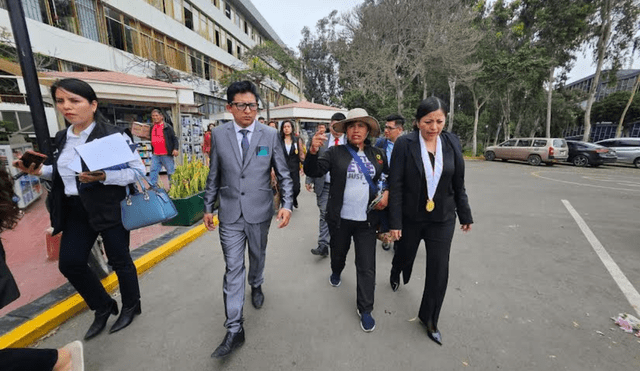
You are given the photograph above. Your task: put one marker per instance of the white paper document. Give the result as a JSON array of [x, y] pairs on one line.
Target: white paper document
[[106, 152]]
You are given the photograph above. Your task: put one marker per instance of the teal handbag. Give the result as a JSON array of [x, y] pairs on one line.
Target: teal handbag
[[151, 206]]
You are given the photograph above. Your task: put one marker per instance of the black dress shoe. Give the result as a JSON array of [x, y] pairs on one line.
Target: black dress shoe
[[394, 279], [321, 251], [257, 297], [126, 317], [100, 320], [230, 342]]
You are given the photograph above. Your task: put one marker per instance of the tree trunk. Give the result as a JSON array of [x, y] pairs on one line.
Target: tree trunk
[[532, 134], [626, 108], [603, 41], [549, 98], [475, 122], [424, 88], [495, 140], [516, 132], [400, 96], [452, 97]]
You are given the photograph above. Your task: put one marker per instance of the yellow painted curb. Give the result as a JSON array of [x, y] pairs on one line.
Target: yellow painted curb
[[29, 332]]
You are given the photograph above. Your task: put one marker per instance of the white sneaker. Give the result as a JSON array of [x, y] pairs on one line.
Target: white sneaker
[[77, 355]]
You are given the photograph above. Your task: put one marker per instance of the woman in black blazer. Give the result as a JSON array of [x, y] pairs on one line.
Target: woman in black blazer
[[426, 182], [83, 205], [293, 152]]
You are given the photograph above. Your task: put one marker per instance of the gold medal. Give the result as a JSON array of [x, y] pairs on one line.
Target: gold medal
[[430, 206]]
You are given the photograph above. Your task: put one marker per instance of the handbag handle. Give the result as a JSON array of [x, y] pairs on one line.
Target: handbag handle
[[139, 178]]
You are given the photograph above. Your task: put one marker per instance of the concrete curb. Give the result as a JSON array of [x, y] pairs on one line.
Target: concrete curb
[[31, 331]]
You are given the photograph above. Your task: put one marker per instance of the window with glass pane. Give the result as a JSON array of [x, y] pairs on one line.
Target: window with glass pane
[[217, 38], [147, 49], [156, 4], [131, 36], [9, 121], [177, 10], [63, 15], [227, 10], [32, 9], [115, 30], [229, 46], [86, 10], [188, 18]]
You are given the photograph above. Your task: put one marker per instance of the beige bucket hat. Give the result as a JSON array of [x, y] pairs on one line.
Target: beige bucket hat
[[358, 114]]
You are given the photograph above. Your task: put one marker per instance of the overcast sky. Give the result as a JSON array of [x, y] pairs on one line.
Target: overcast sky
[[288, 17]]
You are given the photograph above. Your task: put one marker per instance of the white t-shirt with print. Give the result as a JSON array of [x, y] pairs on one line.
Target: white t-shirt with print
[[356, 190]]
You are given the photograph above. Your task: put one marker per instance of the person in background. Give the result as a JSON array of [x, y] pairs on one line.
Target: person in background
[[206, 143], [243, 152], [164, 145], [320, 185], [87, 204], [393, 129], [261, 120], [356, 168], [294, 154], [273, 124], [68, 358], [427, 191]]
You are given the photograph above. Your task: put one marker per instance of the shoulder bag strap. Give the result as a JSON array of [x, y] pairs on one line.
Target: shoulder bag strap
[[363, 168]]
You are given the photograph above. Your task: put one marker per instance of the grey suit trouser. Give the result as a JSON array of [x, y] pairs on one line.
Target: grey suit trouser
[[323, 229], [233, 238]]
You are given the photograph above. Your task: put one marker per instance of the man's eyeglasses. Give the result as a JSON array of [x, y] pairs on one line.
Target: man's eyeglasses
[[391, 127], [243, 106]]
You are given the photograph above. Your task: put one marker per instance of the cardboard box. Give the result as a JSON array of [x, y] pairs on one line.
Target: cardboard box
[[141, 130]]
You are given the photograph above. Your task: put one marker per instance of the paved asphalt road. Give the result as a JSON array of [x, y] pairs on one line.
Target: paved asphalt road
[[526, 291]]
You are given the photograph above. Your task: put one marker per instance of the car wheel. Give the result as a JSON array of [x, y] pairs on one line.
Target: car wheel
[[534, 160], [637, 162], [489, 156], [580, 161]]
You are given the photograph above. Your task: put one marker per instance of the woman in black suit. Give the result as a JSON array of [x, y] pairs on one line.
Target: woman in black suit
[[293, 153], [426, 183], [83, 205]]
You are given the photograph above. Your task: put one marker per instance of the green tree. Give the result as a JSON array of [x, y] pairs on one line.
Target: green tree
[[611, 108], [319, 64], [279, 58], [612, 32], [557, 28]]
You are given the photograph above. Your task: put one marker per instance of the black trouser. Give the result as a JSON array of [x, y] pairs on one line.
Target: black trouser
[[364, 240], [437, 238], [77, 240], [295, 177], [21, 359]]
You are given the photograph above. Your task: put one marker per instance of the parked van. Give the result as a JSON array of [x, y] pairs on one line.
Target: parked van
[[532, 150], [627, 149]]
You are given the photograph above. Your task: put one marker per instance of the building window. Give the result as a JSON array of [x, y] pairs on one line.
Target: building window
[[239, 55], [188, 16], [115, 30], [33, 9], [63, 15], [246, 27], [87, 16], [177, 10], [227, 10], [217, 38], [229, 46]]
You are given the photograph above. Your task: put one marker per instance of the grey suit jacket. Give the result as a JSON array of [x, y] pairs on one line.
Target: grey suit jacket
[[244, 186]]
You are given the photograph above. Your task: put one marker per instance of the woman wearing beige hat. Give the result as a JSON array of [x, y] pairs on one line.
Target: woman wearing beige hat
[[358, 186]]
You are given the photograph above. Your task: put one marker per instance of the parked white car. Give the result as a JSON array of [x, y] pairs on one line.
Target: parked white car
[[627, 149]]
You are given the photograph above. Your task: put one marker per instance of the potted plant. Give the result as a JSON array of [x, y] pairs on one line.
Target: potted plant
[[187, 189]]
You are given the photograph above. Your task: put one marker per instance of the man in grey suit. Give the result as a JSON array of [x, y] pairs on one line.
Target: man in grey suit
[[243, 152], [321, 186]]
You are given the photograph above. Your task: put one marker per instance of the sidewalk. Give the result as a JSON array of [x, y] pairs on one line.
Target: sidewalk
[[27, 254]]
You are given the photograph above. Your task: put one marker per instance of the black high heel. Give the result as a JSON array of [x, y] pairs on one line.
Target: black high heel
[[394, 279], [433, 333], [100, 321], [126, 317]]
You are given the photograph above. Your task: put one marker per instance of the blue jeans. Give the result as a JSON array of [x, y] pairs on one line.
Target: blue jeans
[[157, 162]]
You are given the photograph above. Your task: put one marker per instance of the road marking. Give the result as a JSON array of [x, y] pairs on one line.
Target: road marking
[[623, 283], [537, 174]]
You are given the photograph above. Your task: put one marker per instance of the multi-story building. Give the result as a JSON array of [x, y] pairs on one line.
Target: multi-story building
[[626, 80], [189, 42]]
